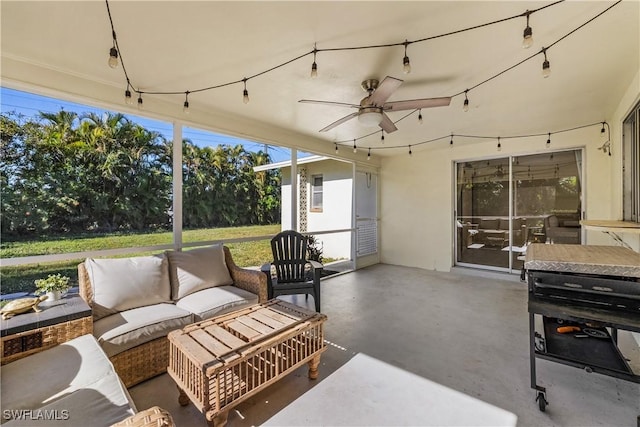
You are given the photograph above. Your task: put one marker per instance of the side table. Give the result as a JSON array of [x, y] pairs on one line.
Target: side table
[[58, 322]]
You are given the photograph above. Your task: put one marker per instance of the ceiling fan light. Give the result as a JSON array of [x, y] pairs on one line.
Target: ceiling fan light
[[370, 118]]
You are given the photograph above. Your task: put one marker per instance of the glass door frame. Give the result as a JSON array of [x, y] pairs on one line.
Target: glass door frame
[[510, 158]]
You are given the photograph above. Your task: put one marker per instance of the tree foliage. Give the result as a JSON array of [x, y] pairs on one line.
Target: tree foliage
[[69, 172]]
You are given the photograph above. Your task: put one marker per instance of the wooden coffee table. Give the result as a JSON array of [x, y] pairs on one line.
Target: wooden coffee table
[[220, 362]]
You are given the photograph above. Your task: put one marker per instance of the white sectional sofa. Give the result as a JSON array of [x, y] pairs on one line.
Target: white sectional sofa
[[137, 301], [72, 384]]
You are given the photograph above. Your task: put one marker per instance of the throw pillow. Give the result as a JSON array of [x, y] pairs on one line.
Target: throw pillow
[[197, 269], [124, 283]]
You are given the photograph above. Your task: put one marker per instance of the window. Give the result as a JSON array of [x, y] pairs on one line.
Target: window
[[316, 193], [631, 166]]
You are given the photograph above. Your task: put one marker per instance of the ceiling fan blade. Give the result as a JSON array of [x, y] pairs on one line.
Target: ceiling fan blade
[[387, 125], [414, 104], [384, 90], [339, 104], [339, 122]]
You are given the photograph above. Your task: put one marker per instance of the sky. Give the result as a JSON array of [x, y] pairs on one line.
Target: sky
[[30, 105]]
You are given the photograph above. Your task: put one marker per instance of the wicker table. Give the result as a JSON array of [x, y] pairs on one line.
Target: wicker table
[[220, 362], [58, 322]]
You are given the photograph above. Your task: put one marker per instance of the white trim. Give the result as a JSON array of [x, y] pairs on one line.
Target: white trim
[[287, 163]]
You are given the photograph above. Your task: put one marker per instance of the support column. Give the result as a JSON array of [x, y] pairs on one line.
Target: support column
[[177, 186], [294, 189], [304, 179]]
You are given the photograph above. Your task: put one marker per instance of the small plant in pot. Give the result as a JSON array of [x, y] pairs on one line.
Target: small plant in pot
[[54, 286]]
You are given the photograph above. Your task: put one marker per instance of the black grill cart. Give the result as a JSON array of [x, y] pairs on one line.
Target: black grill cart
[[584, 294]]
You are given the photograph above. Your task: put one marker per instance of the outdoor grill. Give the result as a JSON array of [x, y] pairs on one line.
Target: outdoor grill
[[584, 294]]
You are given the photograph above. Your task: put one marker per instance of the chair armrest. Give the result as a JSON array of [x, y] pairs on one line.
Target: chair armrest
[[152, 417], [315, 265], [250, 280], [84, 285]]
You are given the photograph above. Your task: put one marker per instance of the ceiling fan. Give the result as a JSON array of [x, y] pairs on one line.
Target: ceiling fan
[[372, 108]]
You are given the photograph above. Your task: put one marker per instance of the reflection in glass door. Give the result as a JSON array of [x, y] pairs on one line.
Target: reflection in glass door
[[505, 204]]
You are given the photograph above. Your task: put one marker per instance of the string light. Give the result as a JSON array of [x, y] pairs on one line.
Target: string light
[[369, 154], [420, 116], [113, 57], [382, 136], [527, 39], [355, 149], [336, 148], [546, 68], [549, 140], [410, 153], [605, 147], [140, 106], [602, 131], [115, 53], [465, 105], [314, 66], [127, 96], [185, 106], [406, 64], [245, 93]]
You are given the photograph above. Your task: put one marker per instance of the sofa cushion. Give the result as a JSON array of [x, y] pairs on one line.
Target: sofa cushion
[[197, 269], [57, 378], [489, 224], [219, 300], [125, 283], [130, 328]]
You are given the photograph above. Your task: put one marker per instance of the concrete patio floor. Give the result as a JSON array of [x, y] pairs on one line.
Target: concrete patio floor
[[466, 330]]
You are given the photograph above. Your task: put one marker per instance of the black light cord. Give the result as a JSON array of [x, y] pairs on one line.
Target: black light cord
[[605, 147], [498, 138], [315, 50]]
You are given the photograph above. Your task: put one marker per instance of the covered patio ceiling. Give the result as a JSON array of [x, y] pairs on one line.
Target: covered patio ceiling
[[62, 48]]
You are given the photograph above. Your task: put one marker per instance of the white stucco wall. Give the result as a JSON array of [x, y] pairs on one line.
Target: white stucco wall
[[337, 205], [416, 202]]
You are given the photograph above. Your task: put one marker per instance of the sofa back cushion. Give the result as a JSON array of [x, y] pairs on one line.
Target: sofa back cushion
[[197, 269], [489, 224], [125, 283]]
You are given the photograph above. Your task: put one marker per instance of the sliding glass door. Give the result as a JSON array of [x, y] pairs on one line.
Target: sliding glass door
[[505, 204]]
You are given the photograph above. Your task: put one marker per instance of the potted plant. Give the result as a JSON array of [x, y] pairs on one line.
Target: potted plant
[[54, 286]]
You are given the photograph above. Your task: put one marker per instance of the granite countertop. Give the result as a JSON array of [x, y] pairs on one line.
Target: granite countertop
[[584, 259]]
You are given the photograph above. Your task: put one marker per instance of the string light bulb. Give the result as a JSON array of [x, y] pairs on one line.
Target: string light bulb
[[314, 66], [369, 154], [336, 148], [127, 96], [420, 116], [113, 57], [451, 141], [355, 149], [549, 141], [499, 145], [406, 64], [410, 152], [245, 93], [382, 136], [527, 37], [185, 106], [140, 106], [602, 131], [546, 67], [465, 105]]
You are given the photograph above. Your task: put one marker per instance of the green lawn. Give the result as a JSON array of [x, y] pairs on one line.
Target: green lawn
[[20, 279]]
